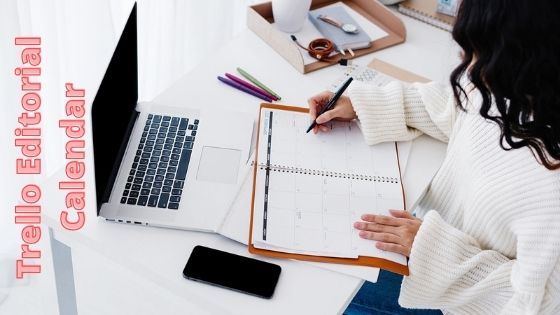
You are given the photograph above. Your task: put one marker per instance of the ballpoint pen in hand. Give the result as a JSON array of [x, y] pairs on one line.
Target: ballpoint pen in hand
[[330, 104]]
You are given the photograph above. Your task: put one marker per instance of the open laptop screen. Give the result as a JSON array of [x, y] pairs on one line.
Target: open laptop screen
[[113, 110]]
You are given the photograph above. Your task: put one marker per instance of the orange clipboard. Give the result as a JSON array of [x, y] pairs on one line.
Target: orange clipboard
[[361, 260]]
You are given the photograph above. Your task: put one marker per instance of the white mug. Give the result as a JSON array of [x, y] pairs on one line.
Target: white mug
[[289, 15]]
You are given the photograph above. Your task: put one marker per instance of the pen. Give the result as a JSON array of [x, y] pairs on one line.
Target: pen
[[249, 86], [256, 82], [244, 89], [331, 102]]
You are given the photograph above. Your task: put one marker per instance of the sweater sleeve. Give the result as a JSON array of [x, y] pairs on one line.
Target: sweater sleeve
[[397, 112], [450, 270]]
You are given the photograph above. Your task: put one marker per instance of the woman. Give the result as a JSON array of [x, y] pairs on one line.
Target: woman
[[485, 239]]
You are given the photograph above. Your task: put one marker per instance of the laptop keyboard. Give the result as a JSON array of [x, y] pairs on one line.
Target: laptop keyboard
[[159, 170]]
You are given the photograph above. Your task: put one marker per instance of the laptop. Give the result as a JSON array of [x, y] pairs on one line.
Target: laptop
[[159, 165]]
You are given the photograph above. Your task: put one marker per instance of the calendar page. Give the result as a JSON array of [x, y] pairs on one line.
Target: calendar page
[[362, 74], [310, 189]]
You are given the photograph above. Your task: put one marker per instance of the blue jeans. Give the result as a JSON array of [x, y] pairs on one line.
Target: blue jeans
[[382, 298]]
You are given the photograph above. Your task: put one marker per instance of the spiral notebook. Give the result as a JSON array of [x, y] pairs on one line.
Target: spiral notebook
[[309, 189], [426, 11]]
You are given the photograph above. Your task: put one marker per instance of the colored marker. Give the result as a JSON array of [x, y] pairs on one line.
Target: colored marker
[[249, 86], [244, 89], [256, 82]]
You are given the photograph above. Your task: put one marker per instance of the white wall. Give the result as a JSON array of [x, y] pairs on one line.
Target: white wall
[[78, 39]]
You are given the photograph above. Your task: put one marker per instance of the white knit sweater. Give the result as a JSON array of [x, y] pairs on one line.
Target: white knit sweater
[[490, 238]]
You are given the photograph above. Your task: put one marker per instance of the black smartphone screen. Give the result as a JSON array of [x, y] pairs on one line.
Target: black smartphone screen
[[232, 271]]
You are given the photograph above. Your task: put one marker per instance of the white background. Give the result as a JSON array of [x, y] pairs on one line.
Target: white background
[[78, 39]]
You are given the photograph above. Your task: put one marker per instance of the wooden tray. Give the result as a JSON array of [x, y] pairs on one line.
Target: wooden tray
[[259, 19]]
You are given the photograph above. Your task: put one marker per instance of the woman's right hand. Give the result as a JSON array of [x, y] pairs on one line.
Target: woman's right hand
[[343, 110]]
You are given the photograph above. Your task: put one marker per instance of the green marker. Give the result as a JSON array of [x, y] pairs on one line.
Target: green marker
[[256, 82]]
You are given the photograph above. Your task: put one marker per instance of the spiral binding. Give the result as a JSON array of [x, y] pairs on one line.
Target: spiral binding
[[314, 172]]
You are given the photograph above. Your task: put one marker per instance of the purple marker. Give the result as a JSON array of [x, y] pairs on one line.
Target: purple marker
[[244, 89], [250, 86]]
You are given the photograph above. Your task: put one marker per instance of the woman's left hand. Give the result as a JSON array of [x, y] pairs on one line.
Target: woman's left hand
[[393, 234]]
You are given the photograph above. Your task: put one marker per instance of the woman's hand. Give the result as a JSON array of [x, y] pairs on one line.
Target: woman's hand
[[343, 110], [393, 234]]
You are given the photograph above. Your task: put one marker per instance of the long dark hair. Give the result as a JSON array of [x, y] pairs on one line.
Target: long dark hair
[[511, 54]]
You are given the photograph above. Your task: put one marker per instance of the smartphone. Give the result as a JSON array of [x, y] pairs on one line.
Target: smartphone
[[232, 271]]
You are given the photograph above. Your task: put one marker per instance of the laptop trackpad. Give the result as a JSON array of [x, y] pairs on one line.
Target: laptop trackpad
[[219, 165]]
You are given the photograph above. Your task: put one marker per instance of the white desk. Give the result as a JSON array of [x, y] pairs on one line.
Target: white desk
[[158, 255]]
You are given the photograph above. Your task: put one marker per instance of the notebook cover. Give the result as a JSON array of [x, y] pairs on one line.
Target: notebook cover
[[361, 260], [426, 11], [396, 72], [341, 39]]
